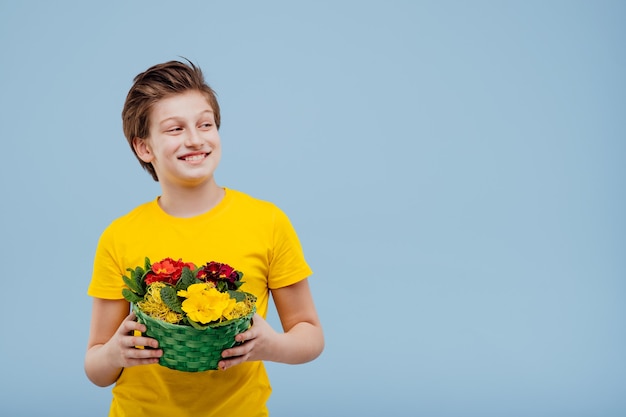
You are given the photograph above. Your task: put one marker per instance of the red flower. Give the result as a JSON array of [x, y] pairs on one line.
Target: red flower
[[217, 272], [168, 270]]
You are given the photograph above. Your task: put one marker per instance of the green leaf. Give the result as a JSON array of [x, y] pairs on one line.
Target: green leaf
[[169, 297], [222, 286], [132, 283], [196, 325], [237, 295], [139, 276], [131, 296], [147, 264], [187, 278], [139, 273]]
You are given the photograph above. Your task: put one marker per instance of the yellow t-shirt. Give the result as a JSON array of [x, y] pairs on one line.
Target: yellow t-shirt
[[252, 236]]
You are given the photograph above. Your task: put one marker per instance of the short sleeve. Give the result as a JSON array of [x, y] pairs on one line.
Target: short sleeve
[[106, 280], [287, 264]]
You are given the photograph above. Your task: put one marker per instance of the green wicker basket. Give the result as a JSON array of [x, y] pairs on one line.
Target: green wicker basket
[[189, 349]]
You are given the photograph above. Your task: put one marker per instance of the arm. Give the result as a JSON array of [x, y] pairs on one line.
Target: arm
[[111, 345], [302, 340]]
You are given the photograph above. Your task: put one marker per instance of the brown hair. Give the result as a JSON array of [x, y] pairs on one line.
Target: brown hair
[[156, 83]]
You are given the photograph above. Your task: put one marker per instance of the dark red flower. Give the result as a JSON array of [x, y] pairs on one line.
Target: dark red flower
[[220, 273]]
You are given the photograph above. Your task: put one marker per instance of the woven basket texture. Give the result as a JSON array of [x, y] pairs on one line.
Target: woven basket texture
[[192, 350]]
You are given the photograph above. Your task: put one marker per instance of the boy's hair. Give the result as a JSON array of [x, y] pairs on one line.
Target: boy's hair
[[156, 83]]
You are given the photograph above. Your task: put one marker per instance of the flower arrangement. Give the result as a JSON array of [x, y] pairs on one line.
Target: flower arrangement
[[194, 312]]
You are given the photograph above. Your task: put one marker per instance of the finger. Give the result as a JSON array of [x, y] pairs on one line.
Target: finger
[[230, 362], [144, 353], [146, 361], [129, 326], [246, 336], [142, 341], [233, 352], [143, 357], [240, 350]]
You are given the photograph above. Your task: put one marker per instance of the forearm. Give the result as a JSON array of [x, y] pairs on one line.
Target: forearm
[[302, 339], [99, 368], [302, 343]]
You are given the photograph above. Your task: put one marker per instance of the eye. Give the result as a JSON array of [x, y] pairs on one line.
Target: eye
[[206, 125], [174, 129]]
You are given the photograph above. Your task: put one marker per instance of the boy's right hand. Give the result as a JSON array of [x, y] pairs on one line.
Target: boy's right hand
[[128, 347]]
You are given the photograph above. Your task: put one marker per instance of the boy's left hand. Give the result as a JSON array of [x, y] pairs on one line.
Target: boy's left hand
[[255, 344]]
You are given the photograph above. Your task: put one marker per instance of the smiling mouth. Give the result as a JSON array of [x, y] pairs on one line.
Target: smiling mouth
[[196, 157]]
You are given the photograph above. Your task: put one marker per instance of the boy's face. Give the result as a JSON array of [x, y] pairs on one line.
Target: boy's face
[[184, 144]]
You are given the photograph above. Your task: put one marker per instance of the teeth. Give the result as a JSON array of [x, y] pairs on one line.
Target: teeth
[[194, 157]]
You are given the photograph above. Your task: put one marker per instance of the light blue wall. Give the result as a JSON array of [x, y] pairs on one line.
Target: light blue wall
[[455, 170]]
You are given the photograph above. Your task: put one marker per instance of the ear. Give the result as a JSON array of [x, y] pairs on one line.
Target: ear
[[142, 148]]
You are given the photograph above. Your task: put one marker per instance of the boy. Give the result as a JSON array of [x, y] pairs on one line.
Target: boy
[[171, 119]]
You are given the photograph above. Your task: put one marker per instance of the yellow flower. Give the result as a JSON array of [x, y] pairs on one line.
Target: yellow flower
[[205, 304]]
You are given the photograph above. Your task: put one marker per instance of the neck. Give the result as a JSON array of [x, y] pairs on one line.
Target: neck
[[191, 201]]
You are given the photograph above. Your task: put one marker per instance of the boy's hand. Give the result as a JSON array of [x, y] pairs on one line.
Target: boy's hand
[[126, 347], [256, 341]]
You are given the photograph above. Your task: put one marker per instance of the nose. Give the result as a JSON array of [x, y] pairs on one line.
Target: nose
[[193, 138]]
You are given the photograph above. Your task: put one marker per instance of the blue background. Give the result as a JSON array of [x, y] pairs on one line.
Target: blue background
[[455, 171]]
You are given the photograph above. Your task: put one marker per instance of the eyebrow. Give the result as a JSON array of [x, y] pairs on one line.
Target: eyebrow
[[202, 113]]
